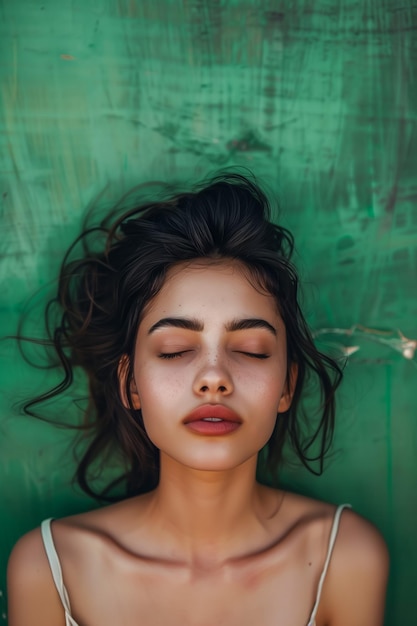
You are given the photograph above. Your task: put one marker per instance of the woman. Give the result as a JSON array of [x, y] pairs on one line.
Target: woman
[[197, 353]]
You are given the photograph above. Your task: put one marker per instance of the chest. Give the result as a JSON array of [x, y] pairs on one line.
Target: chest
[[265, 594]]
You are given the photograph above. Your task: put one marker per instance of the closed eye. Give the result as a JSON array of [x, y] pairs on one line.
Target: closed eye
[[254, 355], [172, 355]]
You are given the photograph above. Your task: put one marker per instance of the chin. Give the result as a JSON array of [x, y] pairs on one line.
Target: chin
[[216, 464]]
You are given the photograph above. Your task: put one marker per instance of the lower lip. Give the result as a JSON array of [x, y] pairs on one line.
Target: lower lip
[[213, 428]]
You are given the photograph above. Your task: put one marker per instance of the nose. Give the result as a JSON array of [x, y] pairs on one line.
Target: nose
[[213, 381]]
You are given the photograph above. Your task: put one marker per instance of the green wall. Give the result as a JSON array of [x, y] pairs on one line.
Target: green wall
[[319, 100]]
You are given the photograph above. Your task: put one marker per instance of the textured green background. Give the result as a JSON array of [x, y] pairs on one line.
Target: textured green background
[[319, 99]]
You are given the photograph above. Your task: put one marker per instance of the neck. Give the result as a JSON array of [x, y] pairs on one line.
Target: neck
[[209, 517]]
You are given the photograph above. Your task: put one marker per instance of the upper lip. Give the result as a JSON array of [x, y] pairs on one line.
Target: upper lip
[[212, 410]]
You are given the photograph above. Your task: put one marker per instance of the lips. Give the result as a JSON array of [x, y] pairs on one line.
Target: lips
[[212, 419], [217, 411]]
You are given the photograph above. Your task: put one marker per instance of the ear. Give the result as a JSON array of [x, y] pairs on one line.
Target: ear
[[287, 394], [122, 372]]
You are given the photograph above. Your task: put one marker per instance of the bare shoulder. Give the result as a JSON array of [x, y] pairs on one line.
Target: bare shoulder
[[355, 585], [360, 539], [357, 538], [28, 560], [358, 569], [32, 596]]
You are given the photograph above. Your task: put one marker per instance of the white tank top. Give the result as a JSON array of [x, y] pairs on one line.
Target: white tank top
[[59, 582]]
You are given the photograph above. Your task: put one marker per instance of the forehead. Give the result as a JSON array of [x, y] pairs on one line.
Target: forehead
[[205, 287]]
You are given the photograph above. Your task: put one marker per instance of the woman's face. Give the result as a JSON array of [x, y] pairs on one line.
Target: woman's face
[[210, 367]]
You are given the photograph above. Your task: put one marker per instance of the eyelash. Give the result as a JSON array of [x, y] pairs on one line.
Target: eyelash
[[177, 355], [171, 355], [256, 355]]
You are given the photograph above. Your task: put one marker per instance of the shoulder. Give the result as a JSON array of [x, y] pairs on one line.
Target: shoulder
[[28, 558], [360, 546], [32, 596], [84, 539], [362, 536], [356, 536], [355, 586]]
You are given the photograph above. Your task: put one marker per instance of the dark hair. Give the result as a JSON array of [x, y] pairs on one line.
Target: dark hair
[[102, 295]]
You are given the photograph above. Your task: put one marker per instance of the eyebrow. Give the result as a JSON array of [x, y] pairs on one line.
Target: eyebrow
[[177, 322], [250, 322], [188, 323]]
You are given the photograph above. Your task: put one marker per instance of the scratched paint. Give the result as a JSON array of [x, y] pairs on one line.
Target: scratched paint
[[318, 99]]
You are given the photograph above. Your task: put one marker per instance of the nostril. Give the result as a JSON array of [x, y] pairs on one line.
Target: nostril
[[220, 388]]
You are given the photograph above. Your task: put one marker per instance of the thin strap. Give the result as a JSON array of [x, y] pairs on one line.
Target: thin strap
[[332, 539], [56, 570]]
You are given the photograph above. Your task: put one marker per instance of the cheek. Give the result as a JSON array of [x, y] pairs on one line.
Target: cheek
[[266, 387], [157, 392]]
